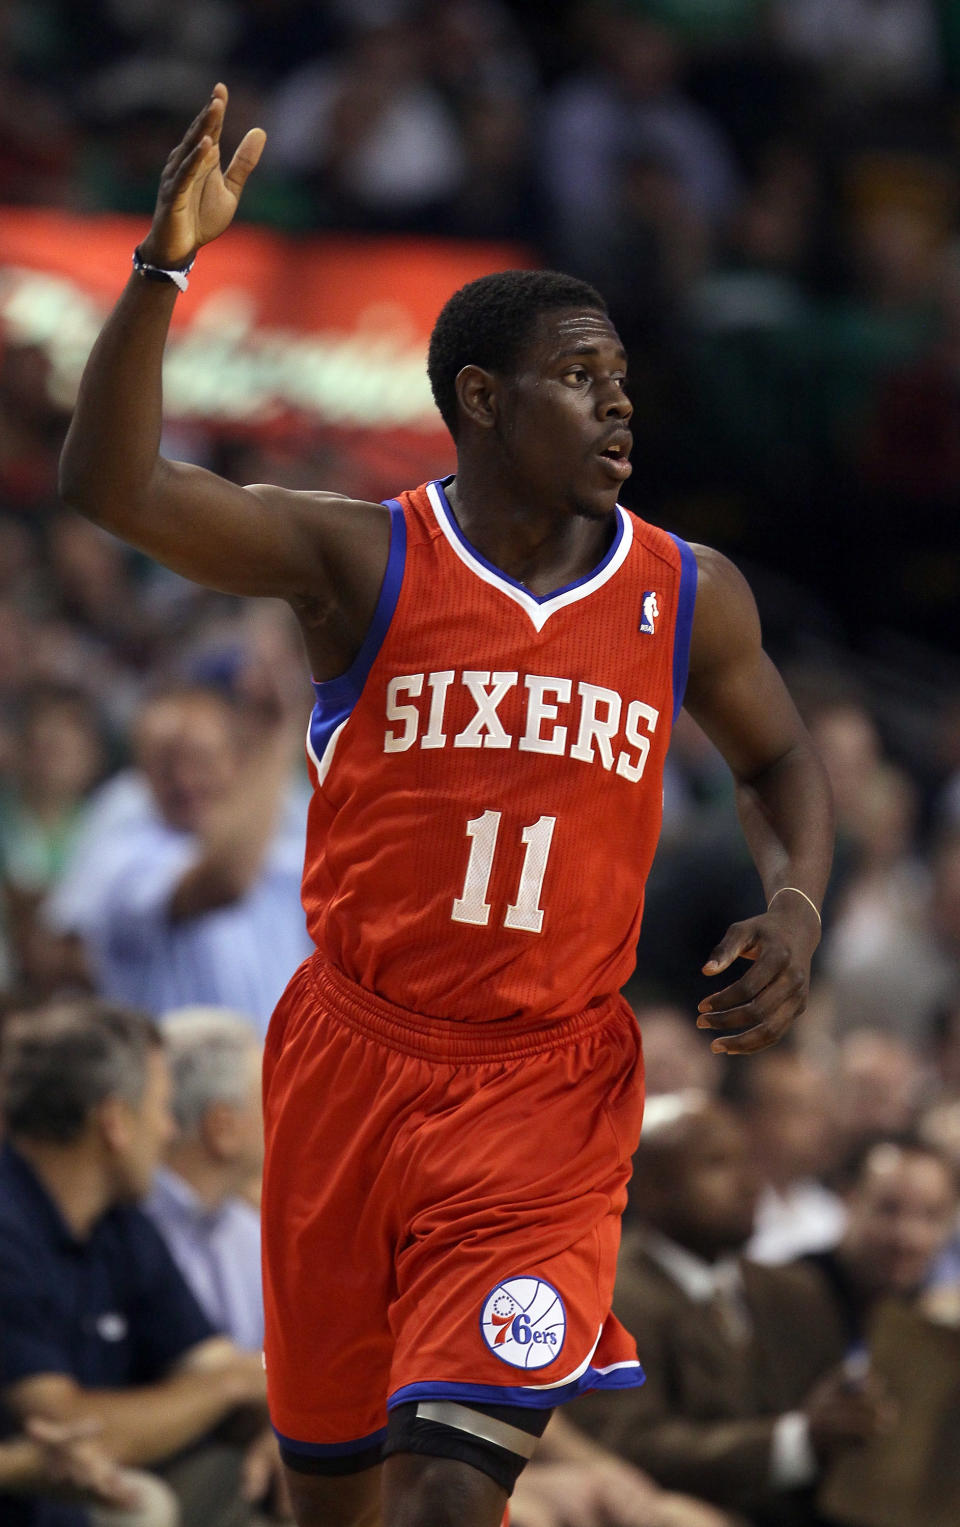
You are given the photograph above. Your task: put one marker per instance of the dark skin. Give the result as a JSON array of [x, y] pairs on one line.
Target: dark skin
[[535, 493]]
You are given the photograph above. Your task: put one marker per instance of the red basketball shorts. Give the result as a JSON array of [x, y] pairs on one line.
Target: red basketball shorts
[[441, 1212]]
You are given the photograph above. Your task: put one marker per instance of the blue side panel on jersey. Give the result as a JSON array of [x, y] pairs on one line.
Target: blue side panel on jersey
[[337, 697], [530, 1399], [332, 1449], [685, 604]]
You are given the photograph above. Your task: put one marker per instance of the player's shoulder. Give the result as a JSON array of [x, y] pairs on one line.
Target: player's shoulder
[[348, 537], [726, 622], [653, 539], [723, 592]]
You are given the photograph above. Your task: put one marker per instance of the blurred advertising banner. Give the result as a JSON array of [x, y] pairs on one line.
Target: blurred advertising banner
[[275, 334]]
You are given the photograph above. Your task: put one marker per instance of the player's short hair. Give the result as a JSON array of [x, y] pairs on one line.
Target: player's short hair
[[59, 1062], [208, 1049], [487, 323]]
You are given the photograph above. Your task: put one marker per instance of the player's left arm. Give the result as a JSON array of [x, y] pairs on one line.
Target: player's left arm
[[784, 803]]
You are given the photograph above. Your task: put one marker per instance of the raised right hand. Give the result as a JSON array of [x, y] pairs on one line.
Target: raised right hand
[[196, 201]]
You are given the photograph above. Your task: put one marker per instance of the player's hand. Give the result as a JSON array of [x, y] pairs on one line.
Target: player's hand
[[765, 1001], [197, 201]]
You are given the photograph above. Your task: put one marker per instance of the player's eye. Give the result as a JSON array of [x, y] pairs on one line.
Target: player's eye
[[575, 376]]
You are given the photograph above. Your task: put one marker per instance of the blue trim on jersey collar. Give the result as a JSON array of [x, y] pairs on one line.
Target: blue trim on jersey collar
[[333, 1449], [337, 697], [683, 629], [498, 572], [630, 1377]]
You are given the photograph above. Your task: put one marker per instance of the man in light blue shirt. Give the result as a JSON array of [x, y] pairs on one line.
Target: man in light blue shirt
[[197, 1202], [191, 892]]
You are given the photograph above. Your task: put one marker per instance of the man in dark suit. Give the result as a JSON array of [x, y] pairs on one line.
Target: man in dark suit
[[747, 1396]]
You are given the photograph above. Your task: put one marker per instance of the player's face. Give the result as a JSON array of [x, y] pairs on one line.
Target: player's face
[[564, 416]]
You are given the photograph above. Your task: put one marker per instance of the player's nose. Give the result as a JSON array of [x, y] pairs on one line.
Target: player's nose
[[613, 402]]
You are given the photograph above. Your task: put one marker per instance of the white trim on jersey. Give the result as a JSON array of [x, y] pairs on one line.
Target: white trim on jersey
[[538, 610], [322, 764], [569, 1378]]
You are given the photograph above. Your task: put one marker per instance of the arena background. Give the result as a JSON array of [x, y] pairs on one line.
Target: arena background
[[766, 191]]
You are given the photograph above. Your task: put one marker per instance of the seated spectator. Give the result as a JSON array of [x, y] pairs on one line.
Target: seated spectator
[[212, 1231], [789, 1108], [879, 1080], [573, 1482], [945, 1050], [868, 48], [58, 755], [745, 1397], [939, 1126], [96, 1324], [65, 1458], [674, 1055], [627, 98], [901, 1212], [195, 896], [370, 131]]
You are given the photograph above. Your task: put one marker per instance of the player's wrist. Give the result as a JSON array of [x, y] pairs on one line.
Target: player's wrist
[[798, 912], [152, 255]]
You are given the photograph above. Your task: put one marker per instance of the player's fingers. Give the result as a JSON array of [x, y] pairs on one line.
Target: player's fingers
[[217, 108], [769, 966], [761, 1035], [195, 167], [785, 988], [735, 944], [207, 123], [245, 159]]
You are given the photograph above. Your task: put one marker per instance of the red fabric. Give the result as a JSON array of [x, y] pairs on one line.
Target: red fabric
[[388, 843], [414, 1166]]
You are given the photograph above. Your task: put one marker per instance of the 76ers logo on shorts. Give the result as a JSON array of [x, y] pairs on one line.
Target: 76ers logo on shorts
[[524, 1322]]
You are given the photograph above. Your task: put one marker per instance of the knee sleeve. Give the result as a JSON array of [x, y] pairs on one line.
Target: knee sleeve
[[496, 1439]]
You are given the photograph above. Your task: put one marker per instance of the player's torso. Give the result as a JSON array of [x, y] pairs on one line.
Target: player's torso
[[489, 774]]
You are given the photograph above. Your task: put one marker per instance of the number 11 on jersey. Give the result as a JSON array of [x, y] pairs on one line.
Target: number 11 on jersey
[[526, 913]]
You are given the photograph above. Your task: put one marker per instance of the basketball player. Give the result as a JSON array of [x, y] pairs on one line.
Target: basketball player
[[453, 1086]]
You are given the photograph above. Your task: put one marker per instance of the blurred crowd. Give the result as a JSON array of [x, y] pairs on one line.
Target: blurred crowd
[[766, 190]]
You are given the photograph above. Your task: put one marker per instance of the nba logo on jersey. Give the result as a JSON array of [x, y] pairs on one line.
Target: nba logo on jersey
[[523, 1322], [650, 611]]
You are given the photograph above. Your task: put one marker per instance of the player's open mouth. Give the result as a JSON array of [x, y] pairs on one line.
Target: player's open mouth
[[614, 457]]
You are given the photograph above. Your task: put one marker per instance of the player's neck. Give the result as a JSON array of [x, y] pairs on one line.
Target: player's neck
[[544, 546]]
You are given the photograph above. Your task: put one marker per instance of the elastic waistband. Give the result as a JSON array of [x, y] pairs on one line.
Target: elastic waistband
[[445, 1039]]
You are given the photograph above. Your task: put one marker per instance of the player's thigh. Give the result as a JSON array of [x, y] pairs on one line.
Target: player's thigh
[[335, 1500], [421, 1491]]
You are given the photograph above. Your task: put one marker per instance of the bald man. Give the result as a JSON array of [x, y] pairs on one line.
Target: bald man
[[746, 1398]]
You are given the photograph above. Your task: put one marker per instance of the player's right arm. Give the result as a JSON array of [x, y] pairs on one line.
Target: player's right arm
[[314, 549]]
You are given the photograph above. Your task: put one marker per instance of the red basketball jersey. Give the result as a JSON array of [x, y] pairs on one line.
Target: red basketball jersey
[[489, 773]]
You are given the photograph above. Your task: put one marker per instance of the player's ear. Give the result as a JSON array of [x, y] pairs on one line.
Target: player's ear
[[476, 394]]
